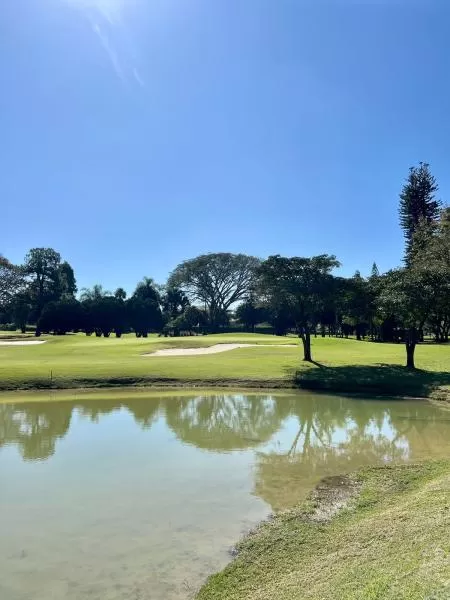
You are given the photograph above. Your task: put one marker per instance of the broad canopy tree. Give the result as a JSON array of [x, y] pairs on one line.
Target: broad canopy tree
[[49, 279], [11, 282], [406, 294], [216, 281], [42, 270], [300, 286]]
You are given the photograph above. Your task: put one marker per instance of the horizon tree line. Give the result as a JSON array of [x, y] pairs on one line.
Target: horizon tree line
[[214, 291]]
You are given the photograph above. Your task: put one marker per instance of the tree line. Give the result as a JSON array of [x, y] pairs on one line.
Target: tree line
[[290, 294]]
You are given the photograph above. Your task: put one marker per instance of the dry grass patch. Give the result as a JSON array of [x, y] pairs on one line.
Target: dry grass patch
[[391, 543]]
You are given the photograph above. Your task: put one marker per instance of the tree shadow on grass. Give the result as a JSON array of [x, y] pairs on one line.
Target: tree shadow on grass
[[382, 379]]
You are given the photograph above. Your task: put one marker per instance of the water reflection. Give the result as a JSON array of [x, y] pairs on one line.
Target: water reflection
[[144, 410], [337, 436], [297, 437], [225, 421], [145, 494], [35, 427]]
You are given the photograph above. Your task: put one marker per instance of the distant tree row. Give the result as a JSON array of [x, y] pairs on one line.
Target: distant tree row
[[302, 295]]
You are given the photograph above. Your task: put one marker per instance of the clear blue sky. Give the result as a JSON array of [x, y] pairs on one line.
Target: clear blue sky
[[137, 133]]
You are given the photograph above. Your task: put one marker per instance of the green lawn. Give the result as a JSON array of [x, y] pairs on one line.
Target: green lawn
[[342, 365], [391, 543]]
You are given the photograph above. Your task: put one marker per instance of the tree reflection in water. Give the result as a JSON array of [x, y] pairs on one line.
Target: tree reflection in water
[[35, 427], [225, 422], [297, 438], [339, 436]]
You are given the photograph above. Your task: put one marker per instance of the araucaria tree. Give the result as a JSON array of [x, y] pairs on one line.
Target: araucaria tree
[[301, 286], [418, 204], [420, 292], [216, 281]]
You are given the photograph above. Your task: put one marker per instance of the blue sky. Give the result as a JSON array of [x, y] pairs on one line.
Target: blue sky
[[138, 133]]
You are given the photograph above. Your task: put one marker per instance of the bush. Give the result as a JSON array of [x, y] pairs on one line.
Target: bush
[[8, 327]]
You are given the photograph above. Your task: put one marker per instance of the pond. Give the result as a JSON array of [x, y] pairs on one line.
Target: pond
[[138, 495]]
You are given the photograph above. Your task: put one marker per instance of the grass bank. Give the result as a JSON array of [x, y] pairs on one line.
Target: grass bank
[[74, 361], [391, 542]]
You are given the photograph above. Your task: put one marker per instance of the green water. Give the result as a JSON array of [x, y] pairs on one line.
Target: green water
[[130, 496]]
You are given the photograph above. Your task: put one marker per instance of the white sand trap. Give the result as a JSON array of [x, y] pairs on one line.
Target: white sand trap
[[21, 342], [212, 349]]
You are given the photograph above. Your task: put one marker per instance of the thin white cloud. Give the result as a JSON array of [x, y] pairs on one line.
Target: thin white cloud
[[110, 51], [138, 77], [106, 19]]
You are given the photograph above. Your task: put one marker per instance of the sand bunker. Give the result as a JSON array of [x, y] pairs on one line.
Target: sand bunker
[[212, 349], [21, 342]]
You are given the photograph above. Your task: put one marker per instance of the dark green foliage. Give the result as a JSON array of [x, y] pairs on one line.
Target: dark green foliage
[[280, 317], [42, 270], [174, 302], [299, 288], [61, 317], [120, 294], [147, 290], [143, 308], [417, 203], [67, 285], [144, 315], [104, 315], [193, 319], [20, 310], [357, 305], [250, 314], [432, 260], [11, 282], [48, 279]]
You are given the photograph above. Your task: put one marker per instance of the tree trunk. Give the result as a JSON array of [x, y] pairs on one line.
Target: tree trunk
[[306, 339], [410, 343]]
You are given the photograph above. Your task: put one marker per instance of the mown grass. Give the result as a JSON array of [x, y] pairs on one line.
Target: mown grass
[[341, 365], [391, 543]]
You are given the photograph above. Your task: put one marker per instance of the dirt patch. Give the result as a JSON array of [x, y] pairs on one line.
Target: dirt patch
[[330, 496], [212, 349]]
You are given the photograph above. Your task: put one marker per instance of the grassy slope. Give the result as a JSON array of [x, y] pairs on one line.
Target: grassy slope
[[345, 365], [392, 543]]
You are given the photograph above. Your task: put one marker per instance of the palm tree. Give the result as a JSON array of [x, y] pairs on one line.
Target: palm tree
[[95, 293]]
